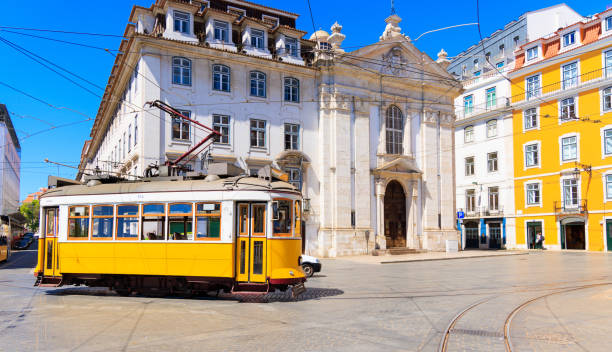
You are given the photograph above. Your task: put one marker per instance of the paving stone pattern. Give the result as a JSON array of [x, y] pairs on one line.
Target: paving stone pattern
[[351, 306]]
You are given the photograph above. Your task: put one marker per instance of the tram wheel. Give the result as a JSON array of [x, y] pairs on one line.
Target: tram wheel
[[308, 269]]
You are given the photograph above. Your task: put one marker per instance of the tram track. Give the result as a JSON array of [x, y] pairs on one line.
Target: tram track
[[515, 311], [508, 321]]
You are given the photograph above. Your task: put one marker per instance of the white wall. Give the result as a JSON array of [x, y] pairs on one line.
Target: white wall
[[482, 145], [546, 21]]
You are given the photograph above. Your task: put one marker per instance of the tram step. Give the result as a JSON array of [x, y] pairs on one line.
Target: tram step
[[250, 289], [50, 282]]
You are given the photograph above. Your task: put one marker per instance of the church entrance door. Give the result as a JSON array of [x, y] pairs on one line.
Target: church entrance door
[[395, 215]]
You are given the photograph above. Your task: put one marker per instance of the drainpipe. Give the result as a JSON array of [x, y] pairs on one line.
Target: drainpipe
[[439, 159]]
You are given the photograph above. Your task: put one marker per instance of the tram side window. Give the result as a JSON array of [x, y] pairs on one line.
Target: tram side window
[[180, 222], [127, 222], [153, 218], [298, 218], [283, 217], [102, 222], [208, 221], [78, 222]]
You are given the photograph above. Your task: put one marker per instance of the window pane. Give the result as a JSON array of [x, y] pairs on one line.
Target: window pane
[[285, 215], [153, 228], [259, 212], [180, 208], [153, 209], [106, 210], [102, 227], [127, 210], [78, 227], [208, 208], [79, 211], [180, 228], [208, 227]]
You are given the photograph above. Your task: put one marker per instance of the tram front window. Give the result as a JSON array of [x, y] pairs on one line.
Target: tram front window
[[283, 218], [153, 218], [208, 221], [180, 222], [127, 222]]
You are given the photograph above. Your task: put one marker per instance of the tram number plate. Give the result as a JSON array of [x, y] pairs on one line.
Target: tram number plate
[[298, 290]]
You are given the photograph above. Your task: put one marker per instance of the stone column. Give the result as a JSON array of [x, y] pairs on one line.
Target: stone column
[[413, 210], [381, 241], [382, 138]]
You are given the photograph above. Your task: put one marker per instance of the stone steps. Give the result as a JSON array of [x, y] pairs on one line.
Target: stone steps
[[396, 251]]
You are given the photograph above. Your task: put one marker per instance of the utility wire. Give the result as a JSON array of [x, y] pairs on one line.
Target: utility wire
[[24, 52], [65, 32]]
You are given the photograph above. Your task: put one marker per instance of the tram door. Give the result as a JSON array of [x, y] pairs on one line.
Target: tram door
[[251, 242], [51, 259]]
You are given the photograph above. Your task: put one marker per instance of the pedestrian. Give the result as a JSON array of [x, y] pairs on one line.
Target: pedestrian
[[539, 240]]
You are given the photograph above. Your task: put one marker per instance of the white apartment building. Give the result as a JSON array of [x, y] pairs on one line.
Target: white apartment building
[[483, 130], [10, 173], [362, 137]]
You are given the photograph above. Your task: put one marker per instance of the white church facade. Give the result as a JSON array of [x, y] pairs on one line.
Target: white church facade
[[366, 135]]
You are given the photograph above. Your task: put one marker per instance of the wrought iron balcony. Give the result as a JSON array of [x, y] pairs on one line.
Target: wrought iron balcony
[[585, 80], [577, 207], [483, 211]]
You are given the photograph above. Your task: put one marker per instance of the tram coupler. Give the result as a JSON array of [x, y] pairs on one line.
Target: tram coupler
[[298, 289]]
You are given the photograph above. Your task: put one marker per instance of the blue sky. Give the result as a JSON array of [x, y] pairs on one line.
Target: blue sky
[[363, 22]]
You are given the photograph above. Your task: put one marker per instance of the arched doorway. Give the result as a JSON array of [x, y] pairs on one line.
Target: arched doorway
[[395, 215], [573, 233]]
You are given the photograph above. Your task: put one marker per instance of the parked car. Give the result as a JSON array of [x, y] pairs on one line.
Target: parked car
[[310, 265], [22, 244], [29, 236]]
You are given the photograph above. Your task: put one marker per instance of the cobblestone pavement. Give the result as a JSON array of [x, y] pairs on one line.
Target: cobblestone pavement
[[350, 306]]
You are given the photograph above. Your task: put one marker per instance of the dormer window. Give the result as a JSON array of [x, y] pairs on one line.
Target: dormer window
[[569, 38], [221, 31], [608, 23], [257, 38], [181, 22], [291, 46], [324, 46], [270, 20], [502, 50], [475, 63], [532, 53], [516, 41], [236, 11]]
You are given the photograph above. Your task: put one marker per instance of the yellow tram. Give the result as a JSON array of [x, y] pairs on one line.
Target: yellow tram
[[173, 234], [4, 247]]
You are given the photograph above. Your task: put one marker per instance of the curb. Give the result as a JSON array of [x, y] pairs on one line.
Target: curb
[[451, 258]]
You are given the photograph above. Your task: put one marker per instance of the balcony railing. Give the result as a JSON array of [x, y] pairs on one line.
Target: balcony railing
[[500, 104], [578, 207], [574, 82], [484, 211]]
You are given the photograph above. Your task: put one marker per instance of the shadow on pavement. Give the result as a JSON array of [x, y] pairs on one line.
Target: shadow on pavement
[[311, 293]]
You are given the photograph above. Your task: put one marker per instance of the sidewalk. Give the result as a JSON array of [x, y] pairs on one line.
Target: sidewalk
[[428, 256]]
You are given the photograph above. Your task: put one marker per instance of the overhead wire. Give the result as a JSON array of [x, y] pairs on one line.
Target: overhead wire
[[25, 53]]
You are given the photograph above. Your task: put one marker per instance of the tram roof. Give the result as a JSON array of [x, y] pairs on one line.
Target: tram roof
[[224, 184]]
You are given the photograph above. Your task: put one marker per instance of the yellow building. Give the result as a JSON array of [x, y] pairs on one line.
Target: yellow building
[[562, 129]]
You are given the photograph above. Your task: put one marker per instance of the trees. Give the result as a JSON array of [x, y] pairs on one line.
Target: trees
[[31, 212]]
